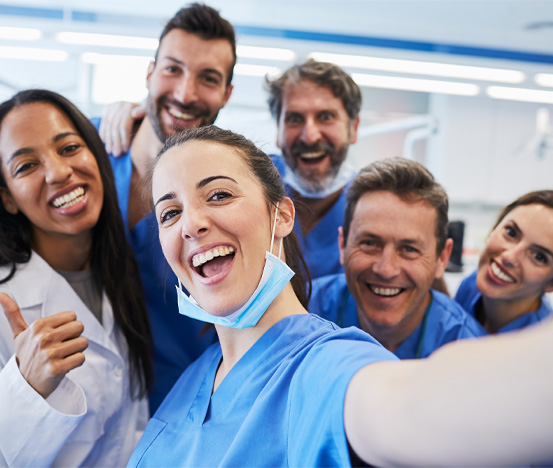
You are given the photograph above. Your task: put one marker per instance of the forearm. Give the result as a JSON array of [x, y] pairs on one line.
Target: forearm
[[33, 431], [476, 402]]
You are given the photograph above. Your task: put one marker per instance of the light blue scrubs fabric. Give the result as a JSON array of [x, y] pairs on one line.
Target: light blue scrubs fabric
[[280, 405], [320, 245], [468, 296], [178, 340], [445, 320]]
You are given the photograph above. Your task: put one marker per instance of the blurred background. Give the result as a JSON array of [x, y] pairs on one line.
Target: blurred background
[[463, 86]]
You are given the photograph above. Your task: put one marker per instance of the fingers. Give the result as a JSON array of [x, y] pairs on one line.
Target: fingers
[[68, 348], [13, 314], [116, 126], [48, 349], [57, 328], [139, 112]]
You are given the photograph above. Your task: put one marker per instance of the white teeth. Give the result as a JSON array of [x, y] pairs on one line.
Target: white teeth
[[69, 199], [204, 257], [312, 155], [502, 276], [385, 291], [180, 115]]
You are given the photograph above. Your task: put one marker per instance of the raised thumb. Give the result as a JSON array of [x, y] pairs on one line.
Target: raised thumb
[[13, 314]]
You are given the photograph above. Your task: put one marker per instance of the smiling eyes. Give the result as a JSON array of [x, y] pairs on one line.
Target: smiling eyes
[[215, 197], [373, 246], [298, 119], [30, 161], [513, 234], [209, 78]]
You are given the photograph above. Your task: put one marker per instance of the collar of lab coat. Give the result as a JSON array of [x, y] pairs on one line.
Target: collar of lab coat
[[37, 284]]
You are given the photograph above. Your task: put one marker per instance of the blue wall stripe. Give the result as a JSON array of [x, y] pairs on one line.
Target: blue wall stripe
[[369, 41], [387, 43], [30, 12]]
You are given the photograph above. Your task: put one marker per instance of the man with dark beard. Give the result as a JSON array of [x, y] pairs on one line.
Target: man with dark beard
[[188, 82], [316, 106]]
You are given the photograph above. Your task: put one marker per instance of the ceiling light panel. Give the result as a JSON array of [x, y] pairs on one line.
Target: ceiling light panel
[[107, 40], [416, 84], [444, 70]]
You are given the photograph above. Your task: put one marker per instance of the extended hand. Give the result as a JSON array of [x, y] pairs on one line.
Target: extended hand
[[117, 123], [47, 349]]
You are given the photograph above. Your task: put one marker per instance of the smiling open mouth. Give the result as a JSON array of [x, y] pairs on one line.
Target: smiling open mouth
[[181, 115], [499, 274], [212, 262], [69, 199], [385, 292], [312, 157]]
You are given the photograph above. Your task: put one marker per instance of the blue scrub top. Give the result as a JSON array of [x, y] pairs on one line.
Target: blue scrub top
[[468, 296], [280, 405], [178, 340], [320, 245], [444, 319]]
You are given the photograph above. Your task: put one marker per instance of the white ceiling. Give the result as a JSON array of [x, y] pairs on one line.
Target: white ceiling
[[522, 25]]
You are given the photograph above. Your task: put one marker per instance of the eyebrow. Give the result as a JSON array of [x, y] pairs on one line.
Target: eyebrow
[[180, 62], [368, 235], [202, 183], [207, 180], [57, 138], [167, 196]]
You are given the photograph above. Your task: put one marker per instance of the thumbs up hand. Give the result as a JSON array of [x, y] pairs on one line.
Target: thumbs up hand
[[48, 348]]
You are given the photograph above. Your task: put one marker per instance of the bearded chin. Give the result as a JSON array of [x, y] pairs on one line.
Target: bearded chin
[[313, 184], [153, 112]]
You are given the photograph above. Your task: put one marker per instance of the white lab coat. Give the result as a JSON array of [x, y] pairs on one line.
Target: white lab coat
[[90, 419]]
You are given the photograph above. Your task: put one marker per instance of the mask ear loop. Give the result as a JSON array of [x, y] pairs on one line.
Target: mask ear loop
[[180, 285], [273, 233]]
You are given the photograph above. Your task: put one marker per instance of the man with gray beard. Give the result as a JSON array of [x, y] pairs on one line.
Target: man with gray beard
[[316, 106]]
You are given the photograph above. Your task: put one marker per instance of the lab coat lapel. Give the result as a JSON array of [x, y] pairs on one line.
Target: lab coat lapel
[[38, 284]]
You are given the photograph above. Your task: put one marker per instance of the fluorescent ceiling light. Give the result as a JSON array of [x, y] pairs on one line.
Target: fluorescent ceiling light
[[267, 53], [107, 40], [256, 70], [544, 79], [520, 94], [108, 59], [27, 53], [20, 34], [423, 68], [416, 84]]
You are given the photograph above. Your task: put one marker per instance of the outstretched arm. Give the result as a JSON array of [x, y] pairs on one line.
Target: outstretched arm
[[487, 401]]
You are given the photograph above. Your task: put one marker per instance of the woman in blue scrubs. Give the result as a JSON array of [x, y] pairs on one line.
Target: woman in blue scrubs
[[284, 387], [515, 270]]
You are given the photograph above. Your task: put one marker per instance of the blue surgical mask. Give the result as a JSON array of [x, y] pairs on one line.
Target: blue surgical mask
[[276, 275], [345, 174]]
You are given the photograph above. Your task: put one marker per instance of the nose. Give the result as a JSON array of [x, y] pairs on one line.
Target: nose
[[311, 133], [195, 224], [386, 265], [57, 170], [185, 90], [511, 256]]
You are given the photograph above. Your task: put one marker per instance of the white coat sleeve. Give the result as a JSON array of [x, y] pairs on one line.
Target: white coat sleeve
[[34, 429]]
